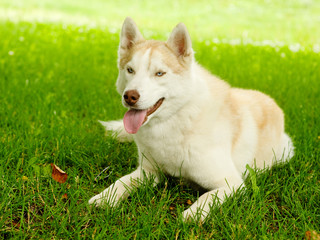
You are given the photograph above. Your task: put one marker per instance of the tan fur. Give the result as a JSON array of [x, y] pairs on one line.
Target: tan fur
[[176, 64]]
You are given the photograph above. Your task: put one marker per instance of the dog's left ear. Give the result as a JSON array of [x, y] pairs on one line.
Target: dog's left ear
[[130, 34], [180, 41]]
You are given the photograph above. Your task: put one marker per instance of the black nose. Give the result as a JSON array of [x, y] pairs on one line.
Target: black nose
[[131, 97]]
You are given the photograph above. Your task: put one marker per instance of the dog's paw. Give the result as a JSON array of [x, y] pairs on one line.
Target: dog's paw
[[194, 214], [97, 200], [111, 196], [101, 200], [188, 215]]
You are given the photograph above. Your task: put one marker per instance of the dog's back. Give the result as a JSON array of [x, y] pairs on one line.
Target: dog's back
[[272, 144]]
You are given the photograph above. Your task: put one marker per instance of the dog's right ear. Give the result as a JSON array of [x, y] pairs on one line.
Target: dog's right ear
[[180, 41], [130, 35]]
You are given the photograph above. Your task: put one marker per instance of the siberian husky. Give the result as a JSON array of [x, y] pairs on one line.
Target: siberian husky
[[189, 123]]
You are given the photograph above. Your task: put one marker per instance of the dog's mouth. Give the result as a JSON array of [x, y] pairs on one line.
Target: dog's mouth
[[135, 118]]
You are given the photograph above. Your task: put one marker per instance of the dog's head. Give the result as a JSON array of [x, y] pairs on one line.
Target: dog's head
[[152, 74]]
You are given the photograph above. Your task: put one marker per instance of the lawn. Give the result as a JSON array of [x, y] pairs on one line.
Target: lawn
[[58, 78]]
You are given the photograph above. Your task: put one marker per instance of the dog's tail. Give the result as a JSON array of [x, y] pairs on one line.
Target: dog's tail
[[286, 149], [117, 130]]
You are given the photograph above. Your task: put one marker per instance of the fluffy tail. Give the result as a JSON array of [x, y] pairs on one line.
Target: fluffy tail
[[117, 130], [286, 151]]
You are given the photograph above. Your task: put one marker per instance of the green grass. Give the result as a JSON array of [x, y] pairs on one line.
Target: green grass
[[57, 80]]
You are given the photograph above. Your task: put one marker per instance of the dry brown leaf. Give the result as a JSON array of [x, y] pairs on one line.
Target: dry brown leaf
[[312, 235], [16, 224], [189, 202], [308, 235], [58, 175]]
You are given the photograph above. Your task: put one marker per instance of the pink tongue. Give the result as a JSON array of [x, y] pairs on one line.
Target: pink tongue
[[133, 120]]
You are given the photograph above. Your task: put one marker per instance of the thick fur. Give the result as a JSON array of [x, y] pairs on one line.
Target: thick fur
[[204, 131]]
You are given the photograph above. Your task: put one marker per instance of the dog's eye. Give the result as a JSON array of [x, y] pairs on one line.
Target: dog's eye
[[130, 70], [160, 74]]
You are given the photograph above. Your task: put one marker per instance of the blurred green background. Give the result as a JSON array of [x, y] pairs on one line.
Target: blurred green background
[[288, 21]]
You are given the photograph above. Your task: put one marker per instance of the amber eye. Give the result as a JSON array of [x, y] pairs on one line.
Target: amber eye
[[130, 70], [160, 74]]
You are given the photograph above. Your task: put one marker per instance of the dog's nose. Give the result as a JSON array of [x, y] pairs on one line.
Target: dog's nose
[[131, 97]]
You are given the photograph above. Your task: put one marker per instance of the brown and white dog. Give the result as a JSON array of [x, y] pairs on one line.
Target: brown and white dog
[[187, 122]]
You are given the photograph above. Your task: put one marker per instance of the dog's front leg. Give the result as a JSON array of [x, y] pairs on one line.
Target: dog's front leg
[[201, 208], [120, 189]]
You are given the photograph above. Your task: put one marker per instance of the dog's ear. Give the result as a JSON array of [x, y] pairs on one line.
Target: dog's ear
[[130, 34], [180, 41]]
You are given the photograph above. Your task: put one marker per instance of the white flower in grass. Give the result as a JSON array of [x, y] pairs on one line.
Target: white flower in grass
[[316, 48], [225, 40], [21, 38], [268, 43], [247, 41], [11, 53], [295, 47], [236, 41], [280, 44], [112, 30], [283, 55], [216, 40]]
